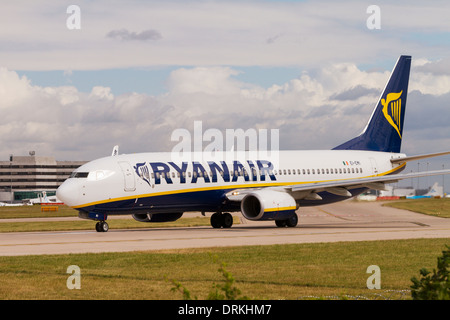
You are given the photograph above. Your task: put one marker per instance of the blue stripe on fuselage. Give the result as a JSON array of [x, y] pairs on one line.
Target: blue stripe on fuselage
[[207, 201]]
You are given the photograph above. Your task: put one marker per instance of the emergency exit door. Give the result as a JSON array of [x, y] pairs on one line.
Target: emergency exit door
[[128, 175]]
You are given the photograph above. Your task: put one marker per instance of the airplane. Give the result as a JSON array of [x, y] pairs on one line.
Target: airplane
[[153, 187], [435, 191]]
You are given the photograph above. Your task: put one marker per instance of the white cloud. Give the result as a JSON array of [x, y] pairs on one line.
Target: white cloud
[[320, 109]]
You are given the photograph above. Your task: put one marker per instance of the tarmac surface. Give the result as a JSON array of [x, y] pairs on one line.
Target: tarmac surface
[[343, 221]]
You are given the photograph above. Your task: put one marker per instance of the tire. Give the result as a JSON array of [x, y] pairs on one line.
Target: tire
[[292, 221], [105, 226], [216, 220], [280, 223], [227, 220]]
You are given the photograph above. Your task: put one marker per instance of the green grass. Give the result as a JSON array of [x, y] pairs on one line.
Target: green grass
[[433, 207], [126, 223], [35, 212], [294, 271]]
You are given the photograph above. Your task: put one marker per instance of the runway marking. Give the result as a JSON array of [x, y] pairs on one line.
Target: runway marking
[[333, 215]]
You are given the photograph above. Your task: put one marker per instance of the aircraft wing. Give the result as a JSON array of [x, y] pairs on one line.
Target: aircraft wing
[[338, 187]]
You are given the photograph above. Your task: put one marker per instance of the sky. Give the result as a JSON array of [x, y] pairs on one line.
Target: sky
[[129, 73]]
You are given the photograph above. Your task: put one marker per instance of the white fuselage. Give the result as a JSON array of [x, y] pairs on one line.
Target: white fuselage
[[161, 182]]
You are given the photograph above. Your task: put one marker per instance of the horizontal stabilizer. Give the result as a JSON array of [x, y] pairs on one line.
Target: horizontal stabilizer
[[418, 157]]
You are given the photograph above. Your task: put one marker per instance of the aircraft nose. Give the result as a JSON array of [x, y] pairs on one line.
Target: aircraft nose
[[69, 192]]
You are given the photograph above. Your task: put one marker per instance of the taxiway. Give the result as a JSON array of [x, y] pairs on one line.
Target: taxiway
[[344, 221]]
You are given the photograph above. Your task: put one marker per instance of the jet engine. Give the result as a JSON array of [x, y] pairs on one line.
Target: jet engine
[[157, 217], [268, 205]]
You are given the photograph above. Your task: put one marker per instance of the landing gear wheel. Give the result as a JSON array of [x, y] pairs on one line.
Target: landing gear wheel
[[219, 220], [101, 226], [280, 223], [216, 220], [292, 221], [227, 220]]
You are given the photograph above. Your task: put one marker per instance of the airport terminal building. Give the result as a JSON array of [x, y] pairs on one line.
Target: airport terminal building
[[25, 177]]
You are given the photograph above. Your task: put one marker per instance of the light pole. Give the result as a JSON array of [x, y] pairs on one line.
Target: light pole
[[418, 170]]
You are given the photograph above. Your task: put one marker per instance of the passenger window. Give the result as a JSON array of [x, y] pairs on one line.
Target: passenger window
[[340, 170], [307, 170], [313, 171], [298, 171]]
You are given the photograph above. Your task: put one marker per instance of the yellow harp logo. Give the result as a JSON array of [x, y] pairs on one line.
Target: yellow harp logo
[[392, 110]]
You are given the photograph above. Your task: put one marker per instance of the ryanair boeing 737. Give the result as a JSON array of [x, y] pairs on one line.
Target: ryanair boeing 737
[[153, 187]]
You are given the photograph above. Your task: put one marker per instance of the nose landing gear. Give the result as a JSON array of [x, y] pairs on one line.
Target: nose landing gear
[[102, 226]]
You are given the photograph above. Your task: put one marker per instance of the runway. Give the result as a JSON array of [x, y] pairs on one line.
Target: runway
[[344, 221]]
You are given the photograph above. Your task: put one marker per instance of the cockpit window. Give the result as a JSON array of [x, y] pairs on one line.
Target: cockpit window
[[79, 174], [98, 175]]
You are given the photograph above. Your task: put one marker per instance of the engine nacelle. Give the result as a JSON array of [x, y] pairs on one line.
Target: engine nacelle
[[157, 217], [268, 205]]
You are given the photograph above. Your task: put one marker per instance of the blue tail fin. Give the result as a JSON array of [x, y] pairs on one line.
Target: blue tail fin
[[384, 129]]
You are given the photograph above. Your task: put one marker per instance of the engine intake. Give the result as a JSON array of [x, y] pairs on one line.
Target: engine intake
[[268, 205]]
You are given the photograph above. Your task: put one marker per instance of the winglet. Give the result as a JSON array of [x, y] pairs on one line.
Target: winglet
[[115, 151]]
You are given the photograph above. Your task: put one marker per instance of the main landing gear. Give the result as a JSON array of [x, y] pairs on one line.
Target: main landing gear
[[291, 222], [221, 220], [102, 226]]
